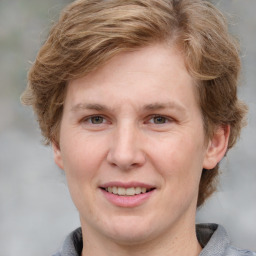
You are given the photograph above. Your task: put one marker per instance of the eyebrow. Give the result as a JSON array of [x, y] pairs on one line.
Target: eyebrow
[[148, 107], [81, 106], [168, 105]]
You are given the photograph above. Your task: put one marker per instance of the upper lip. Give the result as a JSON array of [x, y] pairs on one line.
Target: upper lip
[[127, 184]]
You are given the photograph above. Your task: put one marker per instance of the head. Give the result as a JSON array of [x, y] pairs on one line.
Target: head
[[89, 33]]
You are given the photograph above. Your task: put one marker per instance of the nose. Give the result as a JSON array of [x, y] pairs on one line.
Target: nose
[[126, 148]]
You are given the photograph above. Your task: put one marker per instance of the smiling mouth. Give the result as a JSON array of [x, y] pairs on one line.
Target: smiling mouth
[[132, 191]]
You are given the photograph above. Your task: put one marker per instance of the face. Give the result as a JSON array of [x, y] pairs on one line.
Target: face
[[132, 146]]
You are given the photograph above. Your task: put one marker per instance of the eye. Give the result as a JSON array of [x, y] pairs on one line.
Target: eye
[[95, 120], [158, 120]]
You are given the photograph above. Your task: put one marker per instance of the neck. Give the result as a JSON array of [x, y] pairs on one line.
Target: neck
[[178, 242]]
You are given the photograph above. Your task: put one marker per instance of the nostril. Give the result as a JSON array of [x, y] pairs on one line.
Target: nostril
[[126, 161]]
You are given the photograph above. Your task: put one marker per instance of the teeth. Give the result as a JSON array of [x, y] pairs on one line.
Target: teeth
[[130, 192], [121, 191], [114, 190], [126, 191]]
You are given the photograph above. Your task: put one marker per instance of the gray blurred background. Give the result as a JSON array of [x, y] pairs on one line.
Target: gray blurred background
[[36, 211]]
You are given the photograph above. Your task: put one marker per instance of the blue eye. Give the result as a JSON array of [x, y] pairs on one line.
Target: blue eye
[[95, 119], [158, 120]]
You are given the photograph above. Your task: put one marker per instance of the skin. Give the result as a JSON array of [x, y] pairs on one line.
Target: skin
[[137, 119]]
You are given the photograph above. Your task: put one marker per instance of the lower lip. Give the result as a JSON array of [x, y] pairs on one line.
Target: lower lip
[[127, 201]]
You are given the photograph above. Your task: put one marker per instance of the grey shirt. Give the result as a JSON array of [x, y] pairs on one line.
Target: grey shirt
[[212, 237]]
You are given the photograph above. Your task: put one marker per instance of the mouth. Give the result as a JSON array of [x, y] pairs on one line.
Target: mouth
[[127, 194], [130, 191]]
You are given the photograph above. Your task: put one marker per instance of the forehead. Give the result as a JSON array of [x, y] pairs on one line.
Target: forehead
[[155, 71]]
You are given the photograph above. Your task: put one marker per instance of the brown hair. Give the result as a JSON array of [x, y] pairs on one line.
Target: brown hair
[[90, 32]]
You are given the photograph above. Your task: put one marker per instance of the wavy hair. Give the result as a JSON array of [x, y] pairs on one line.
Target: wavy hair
[[90, 32]]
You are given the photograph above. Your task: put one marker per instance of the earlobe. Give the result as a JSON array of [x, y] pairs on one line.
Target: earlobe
[[217, 147], [57, 155]]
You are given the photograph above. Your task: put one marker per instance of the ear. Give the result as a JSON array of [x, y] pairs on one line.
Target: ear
[[57, 155], [217, 147]]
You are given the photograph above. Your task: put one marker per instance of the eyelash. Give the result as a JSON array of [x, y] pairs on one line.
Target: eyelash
[[165, 119], [89, 119]]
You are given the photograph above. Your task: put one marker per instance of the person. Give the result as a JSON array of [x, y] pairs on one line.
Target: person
[[139, 101]]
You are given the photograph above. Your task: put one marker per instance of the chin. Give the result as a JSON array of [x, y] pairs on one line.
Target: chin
[[131, 238], [131, 230]]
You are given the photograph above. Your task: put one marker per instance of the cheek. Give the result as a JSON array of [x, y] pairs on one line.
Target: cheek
[[180, 162], [81, 160], [82, 157]]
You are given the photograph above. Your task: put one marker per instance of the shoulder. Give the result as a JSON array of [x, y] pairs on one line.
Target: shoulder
[[72, 245], [215, 241], [232, 251], [212, 237]]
